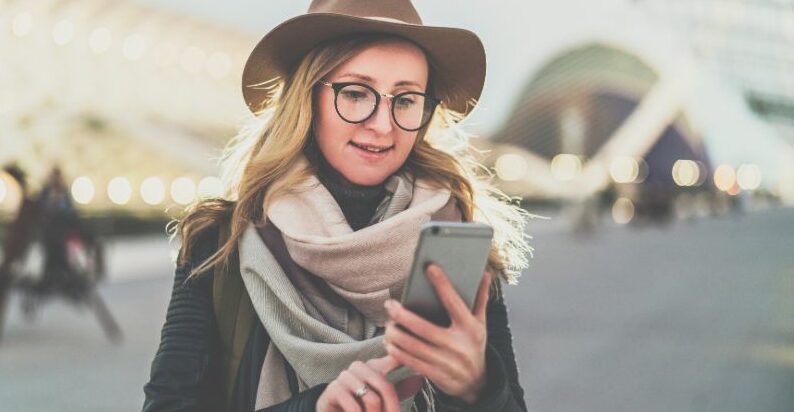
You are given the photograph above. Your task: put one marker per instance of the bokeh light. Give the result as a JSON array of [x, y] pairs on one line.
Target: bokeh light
[[119, 190], [210, 186], [153, 190], [510, 167], [724, 177], [748, 176], [566, 166], [686, 173], [100, 40], [22, 25], [62, 32], [83, 190], [624, 169], [623, 210], [183, 190]]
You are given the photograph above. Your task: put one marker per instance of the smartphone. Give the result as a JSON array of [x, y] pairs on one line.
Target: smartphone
[[461, 249]]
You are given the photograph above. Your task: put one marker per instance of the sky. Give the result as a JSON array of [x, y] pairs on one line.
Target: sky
[[536, 27]]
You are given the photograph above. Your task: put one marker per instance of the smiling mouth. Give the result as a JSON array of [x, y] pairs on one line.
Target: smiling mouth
[[369, 148]]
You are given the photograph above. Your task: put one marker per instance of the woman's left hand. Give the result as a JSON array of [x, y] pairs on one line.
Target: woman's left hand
[[453, 358]]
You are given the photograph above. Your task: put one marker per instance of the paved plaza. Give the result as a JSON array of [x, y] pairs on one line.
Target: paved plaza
[[696, 316]]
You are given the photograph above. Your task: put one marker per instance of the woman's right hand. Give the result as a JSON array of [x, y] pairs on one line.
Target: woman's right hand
[[381, 395]]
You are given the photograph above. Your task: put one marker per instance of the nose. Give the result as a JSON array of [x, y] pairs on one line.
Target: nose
[[381, 121]]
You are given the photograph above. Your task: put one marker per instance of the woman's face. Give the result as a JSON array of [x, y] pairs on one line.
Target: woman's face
[[389, 67]]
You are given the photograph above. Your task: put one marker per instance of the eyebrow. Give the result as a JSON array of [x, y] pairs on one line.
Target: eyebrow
[[371, 80]]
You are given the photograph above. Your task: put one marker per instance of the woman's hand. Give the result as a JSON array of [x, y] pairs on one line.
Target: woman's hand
[[380, 395], [453, 358]]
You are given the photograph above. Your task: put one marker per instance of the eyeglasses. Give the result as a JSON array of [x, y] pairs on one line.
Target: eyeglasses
[[357, 102]]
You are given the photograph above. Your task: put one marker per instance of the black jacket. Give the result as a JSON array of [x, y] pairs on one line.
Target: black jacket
[[185, 371]]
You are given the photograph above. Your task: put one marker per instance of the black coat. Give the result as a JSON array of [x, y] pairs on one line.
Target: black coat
[[185, 373]]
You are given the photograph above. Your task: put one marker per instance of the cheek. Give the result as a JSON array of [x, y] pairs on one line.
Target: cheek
[[406, 145], [329, 130]]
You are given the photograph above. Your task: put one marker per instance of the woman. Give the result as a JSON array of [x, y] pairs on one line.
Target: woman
[[356, 145]]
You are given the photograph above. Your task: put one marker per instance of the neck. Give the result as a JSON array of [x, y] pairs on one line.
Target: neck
[[358, 202], [327, 172]]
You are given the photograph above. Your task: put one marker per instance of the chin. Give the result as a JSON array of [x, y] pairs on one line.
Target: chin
[[368, 180]]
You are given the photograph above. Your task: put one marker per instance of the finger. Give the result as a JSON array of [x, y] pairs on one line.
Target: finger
[[342, 398], [453, 303], [415, 324], [481, 304], [418, 366], [417, 347], [384, 365], [442, 362], [370, 402], [378, 383], [348, 403]]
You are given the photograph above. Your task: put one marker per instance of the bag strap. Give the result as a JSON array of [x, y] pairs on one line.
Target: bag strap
[[234, 314]]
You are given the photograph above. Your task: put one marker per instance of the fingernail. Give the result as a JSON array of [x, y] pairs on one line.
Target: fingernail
[[389, 304]]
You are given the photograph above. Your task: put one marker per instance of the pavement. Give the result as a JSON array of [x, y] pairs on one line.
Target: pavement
[[695, 316]]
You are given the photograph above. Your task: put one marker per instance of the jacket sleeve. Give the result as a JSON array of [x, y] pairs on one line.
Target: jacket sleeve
[[305, 401], [502, 392], [184, 373]]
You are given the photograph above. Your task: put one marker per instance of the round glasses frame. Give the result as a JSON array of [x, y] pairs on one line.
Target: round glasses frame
[[338, 86]]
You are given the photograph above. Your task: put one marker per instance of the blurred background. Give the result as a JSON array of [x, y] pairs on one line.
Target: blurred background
[[656, 137]]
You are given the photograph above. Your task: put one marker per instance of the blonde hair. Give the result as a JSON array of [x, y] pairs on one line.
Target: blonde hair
[[268, 146]]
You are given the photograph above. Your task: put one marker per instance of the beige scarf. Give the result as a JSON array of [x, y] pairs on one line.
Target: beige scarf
[[318, 337]]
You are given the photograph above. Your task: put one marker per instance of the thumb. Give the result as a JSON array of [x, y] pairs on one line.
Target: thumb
[[385, 364]]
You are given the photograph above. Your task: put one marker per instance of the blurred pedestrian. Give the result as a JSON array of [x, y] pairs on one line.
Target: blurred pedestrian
[[60, 223], [20, 235]]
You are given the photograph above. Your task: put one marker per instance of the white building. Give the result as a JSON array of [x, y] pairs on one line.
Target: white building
[[151, 88]]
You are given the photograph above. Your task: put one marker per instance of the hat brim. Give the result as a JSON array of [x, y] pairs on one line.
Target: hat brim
[[457, 54]]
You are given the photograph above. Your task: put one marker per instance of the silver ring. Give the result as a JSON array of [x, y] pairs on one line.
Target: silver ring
[[360, 392]]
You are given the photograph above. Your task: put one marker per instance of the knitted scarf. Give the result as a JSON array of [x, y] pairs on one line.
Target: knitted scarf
[[319, 337]]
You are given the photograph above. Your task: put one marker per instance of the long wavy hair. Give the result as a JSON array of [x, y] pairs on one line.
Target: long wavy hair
[[254, 164]]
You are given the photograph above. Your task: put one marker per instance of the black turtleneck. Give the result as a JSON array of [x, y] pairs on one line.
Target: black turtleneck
[[358, 202]]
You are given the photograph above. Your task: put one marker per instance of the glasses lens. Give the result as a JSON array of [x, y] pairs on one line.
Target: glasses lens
[[411, 110], [355, 103]]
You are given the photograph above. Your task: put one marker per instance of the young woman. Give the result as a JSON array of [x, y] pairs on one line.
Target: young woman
[[356, 143]]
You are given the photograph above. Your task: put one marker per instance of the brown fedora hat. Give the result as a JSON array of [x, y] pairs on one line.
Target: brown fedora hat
[[457, 54]]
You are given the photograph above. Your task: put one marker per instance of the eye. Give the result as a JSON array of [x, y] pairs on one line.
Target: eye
[[355, 93], [352, 94], [404, 102]]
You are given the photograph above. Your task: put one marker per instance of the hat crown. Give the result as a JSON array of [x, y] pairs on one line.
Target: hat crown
[[402, 10]]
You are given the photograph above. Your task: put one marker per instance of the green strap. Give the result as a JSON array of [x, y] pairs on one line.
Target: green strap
[[234, 314]]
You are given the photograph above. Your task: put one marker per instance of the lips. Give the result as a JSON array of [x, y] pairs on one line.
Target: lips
[[371, 148]]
